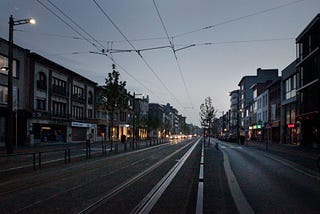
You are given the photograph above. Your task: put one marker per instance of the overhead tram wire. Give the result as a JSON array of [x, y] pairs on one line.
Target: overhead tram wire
[[66, 23], [139, 54], [238, 18], [174, 51], [81, 28], [100, 51]]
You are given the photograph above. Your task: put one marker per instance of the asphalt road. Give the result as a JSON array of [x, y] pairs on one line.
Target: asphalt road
[[114, 184], [165, 178], [269, 183]]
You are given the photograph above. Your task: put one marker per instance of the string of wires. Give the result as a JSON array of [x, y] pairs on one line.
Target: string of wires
[[173, 51], [100, 51], [136, 50]]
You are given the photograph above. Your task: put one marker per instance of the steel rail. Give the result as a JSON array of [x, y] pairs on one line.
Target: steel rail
[[94, 206], [153, 196]]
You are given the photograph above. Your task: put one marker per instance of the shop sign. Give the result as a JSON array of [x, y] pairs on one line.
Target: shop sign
[[83, 125], [292, 125], [257, 126]]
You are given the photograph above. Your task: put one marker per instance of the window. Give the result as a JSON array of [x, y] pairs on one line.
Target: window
[[4, 64], [3, 94], [77, 112], [42, 81], [41, 104], [90, 114], [77, 92], [90, 98], [58, 109], [59, 86], [290, 87]]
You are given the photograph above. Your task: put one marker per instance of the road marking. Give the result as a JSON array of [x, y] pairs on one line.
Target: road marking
[[199, 208], [238, 196]]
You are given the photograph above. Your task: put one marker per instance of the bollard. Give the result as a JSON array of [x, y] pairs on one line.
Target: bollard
[[34, 160], [150, 143], [39, 160]]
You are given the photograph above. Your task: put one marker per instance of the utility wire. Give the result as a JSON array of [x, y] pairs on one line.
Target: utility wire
[[66, 23], [238, 18], [81, 28], [174, 52], [133, 47], [100, 51]]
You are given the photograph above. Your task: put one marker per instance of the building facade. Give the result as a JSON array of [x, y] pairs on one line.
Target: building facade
[[20, 76], [61, 103], [308, 84]]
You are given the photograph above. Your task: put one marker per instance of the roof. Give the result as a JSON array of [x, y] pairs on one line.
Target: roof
[[53, 64], [309, 26]]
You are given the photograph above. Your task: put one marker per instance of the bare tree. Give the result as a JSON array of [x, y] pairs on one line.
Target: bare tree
[[207, 115]]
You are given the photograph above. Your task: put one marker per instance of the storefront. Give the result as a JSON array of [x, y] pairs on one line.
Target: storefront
[[81, 131], [49, 133]]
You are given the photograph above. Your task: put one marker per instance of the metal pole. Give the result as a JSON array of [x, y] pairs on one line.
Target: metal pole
[[9, 128]]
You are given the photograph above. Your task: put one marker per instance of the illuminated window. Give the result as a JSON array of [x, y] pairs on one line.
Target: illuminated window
[[3, 94], [4, 64]]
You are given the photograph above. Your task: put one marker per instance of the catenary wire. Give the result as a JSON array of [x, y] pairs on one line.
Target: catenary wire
[[174, 52], [86, 39], [238, 18], [132, 46]]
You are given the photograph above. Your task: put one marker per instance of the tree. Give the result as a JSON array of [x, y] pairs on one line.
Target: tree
[[113, 96], [207, 114]]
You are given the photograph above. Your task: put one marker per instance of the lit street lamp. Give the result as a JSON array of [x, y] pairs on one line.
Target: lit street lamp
[[10, 119]]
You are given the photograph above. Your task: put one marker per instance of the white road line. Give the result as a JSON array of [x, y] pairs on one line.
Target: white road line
[[238, 196], [199, 208]]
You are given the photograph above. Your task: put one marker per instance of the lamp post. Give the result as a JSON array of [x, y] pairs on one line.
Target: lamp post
[[10, 116]]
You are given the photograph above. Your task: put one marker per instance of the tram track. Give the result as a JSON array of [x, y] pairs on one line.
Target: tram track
[[101, 176]]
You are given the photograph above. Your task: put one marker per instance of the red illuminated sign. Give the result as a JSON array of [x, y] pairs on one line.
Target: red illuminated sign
[[292, 125]]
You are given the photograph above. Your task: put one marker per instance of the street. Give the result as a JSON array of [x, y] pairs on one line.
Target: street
[[165, 178]]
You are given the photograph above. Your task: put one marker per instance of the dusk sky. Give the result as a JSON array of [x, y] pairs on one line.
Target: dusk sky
[[228, 39]]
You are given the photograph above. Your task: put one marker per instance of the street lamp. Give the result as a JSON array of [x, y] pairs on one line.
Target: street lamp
[[10, 128]]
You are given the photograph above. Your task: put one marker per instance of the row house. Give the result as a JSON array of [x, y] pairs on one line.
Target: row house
[[61, 103], [156, 121], [20, 75], [247, 114], [141, 109], [289, 128]]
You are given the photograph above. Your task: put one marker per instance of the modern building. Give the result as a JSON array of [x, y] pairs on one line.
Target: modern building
[[308, 84]]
